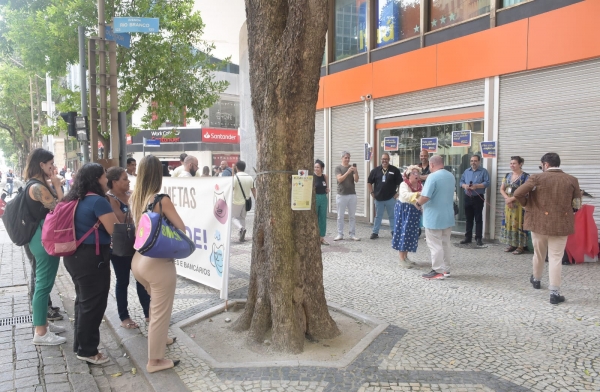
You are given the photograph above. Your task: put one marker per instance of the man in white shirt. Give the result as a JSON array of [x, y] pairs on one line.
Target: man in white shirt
[[131, 167], [68, 178], [243, 185], [190, 167], [179, 169]]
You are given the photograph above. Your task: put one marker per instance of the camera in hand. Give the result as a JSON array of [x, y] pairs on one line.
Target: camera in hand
[[354, 165]]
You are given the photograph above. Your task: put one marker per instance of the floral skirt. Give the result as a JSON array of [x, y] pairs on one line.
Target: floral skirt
[[512, 232], [406, 231]]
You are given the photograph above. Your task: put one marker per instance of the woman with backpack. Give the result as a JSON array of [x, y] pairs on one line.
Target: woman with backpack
[[118, 183], [40, 200], [157, 275], [89, 266]]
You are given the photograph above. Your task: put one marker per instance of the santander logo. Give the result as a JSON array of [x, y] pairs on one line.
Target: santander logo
[[214, 135]]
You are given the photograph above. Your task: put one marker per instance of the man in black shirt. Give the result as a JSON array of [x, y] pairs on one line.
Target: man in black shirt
[[383, 185], [424, 165]]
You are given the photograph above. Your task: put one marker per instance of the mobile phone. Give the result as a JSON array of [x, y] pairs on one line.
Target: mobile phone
[[354, 164], [471, 183]]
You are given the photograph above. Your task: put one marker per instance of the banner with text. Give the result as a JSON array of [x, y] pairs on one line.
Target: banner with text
[[461, 139], [430, 144], [488, 149], [204, 204]]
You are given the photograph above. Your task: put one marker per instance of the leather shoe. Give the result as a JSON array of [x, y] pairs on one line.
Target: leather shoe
[[374, 236], [463, 242], [556, 299], [479, 242], [536, 283], [157, 368]]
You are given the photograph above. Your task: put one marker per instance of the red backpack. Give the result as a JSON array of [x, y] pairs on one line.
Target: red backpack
[[58, 233]]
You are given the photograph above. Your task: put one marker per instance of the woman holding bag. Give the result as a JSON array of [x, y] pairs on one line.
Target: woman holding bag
[[118, 185], [89, 266], [157, 275]]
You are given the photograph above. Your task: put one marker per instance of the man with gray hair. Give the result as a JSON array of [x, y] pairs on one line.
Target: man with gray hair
[[436, 201], [347, 177]]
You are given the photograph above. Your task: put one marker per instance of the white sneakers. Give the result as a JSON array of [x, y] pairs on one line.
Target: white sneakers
[[56, 328], [341, 237], [49, 339]]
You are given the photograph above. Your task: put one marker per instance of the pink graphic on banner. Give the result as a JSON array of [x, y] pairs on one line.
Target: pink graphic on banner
[[220, 205]]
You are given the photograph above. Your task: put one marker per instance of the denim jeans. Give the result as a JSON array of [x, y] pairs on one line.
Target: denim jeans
[[122, 267], [380, 206]]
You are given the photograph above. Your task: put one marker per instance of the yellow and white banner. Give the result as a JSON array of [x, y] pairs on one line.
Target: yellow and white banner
[[204, 204]]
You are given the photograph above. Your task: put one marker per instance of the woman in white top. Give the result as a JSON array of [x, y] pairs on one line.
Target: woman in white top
[[408, 217]]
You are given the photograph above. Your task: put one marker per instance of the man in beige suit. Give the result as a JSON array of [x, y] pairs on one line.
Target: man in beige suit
[[548, 199]]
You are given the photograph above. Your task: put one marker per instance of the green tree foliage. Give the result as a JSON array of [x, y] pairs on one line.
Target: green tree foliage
[[168, 71], [15, 112]]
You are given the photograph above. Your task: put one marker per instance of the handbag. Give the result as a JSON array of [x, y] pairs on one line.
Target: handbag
[[123, 237], [248, 200], [156, 237]]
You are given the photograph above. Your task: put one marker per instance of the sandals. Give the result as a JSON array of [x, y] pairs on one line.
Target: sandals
[[510, 249], [323, 242], [518, 251], [130, 325], [97, 359]]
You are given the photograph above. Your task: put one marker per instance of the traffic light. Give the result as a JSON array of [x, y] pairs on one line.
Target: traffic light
[[70, 120]]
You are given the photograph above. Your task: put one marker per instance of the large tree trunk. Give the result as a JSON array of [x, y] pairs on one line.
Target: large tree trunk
[[286, 40]]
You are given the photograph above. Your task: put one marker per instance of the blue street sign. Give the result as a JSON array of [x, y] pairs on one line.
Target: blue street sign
[[135, 25], [151, 142], [122, 39]]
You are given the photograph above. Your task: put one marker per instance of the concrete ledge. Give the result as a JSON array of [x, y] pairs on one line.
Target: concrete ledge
[[136, 345], [378, 327]]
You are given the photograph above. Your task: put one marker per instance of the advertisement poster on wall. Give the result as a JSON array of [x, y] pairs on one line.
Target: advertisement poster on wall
[[488, 149], [430, 144], [461, 139], [391, 143]]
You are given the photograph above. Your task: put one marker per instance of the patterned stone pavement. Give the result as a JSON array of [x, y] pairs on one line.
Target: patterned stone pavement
[[483, 329]]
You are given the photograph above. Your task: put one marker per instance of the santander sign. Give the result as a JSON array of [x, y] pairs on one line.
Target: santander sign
[[214, 135]]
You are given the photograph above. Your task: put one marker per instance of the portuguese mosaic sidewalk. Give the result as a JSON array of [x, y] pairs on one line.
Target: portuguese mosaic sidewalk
[[483, 329]]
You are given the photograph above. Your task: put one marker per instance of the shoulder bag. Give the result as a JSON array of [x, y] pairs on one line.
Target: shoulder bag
[[123, 237], [248, 199], [156, 237]]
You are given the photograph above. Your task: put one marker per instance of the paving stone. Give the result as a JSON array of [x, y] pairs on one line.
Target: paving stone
[[26, 382], [61, 387], [56, 378]]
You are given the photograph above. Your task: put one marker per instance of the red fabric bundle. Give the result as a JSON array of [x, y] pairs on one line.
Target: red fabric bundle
[[585, 239]]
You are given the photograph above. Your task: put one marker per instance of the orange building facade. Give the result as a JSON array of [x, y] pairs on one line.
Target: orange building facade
[[522, 74]]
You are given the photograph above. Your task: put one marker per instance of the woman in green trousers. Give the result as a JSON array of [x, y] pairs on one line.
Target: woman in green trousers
[[40, 200], [322, 189]]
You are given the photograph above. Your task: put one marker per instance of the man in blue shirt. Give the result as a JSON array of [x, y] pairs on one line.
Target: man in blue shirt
[[437, 203], [474, 181]]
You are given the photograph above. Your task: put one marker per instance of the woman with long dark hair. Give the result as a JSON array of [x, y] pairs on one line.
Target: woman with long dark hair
[[118, 185], [89, 270], [157, 275], [40, 200], [512, 233]]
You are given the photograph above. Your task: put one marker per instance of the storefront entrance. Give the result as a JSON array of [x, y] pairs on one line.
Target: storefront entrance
[[456, 159]]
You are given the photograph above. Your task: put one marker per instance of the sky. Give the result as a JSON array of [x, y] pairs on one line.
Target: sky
[[223, 20]]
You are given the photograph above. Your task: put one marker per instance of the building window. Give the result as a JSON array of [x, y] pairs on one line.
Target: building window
[[398, 20], [445, 13], [350, 28], [508, 3], [456, 159], [224, 114]]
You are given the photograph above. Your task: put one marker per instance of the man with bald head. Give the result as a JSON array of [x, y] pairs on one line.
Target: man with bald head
[[437, 203], [190, 166], [225, 170]]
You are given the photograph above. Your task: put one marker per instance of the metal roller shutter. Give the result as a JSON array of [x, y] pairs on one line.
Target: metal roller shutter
[[348, 134], [319, 137], [552, 110], [456, 95]]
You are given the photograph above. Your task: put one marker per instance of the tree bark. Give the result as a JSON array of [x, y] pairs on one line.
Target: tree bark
[[286, 40]]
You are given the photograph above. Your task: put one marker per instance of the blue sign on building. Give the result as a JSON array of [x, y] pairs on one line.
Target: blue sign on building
[[122, 39], [151, 142], [135, 25]]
